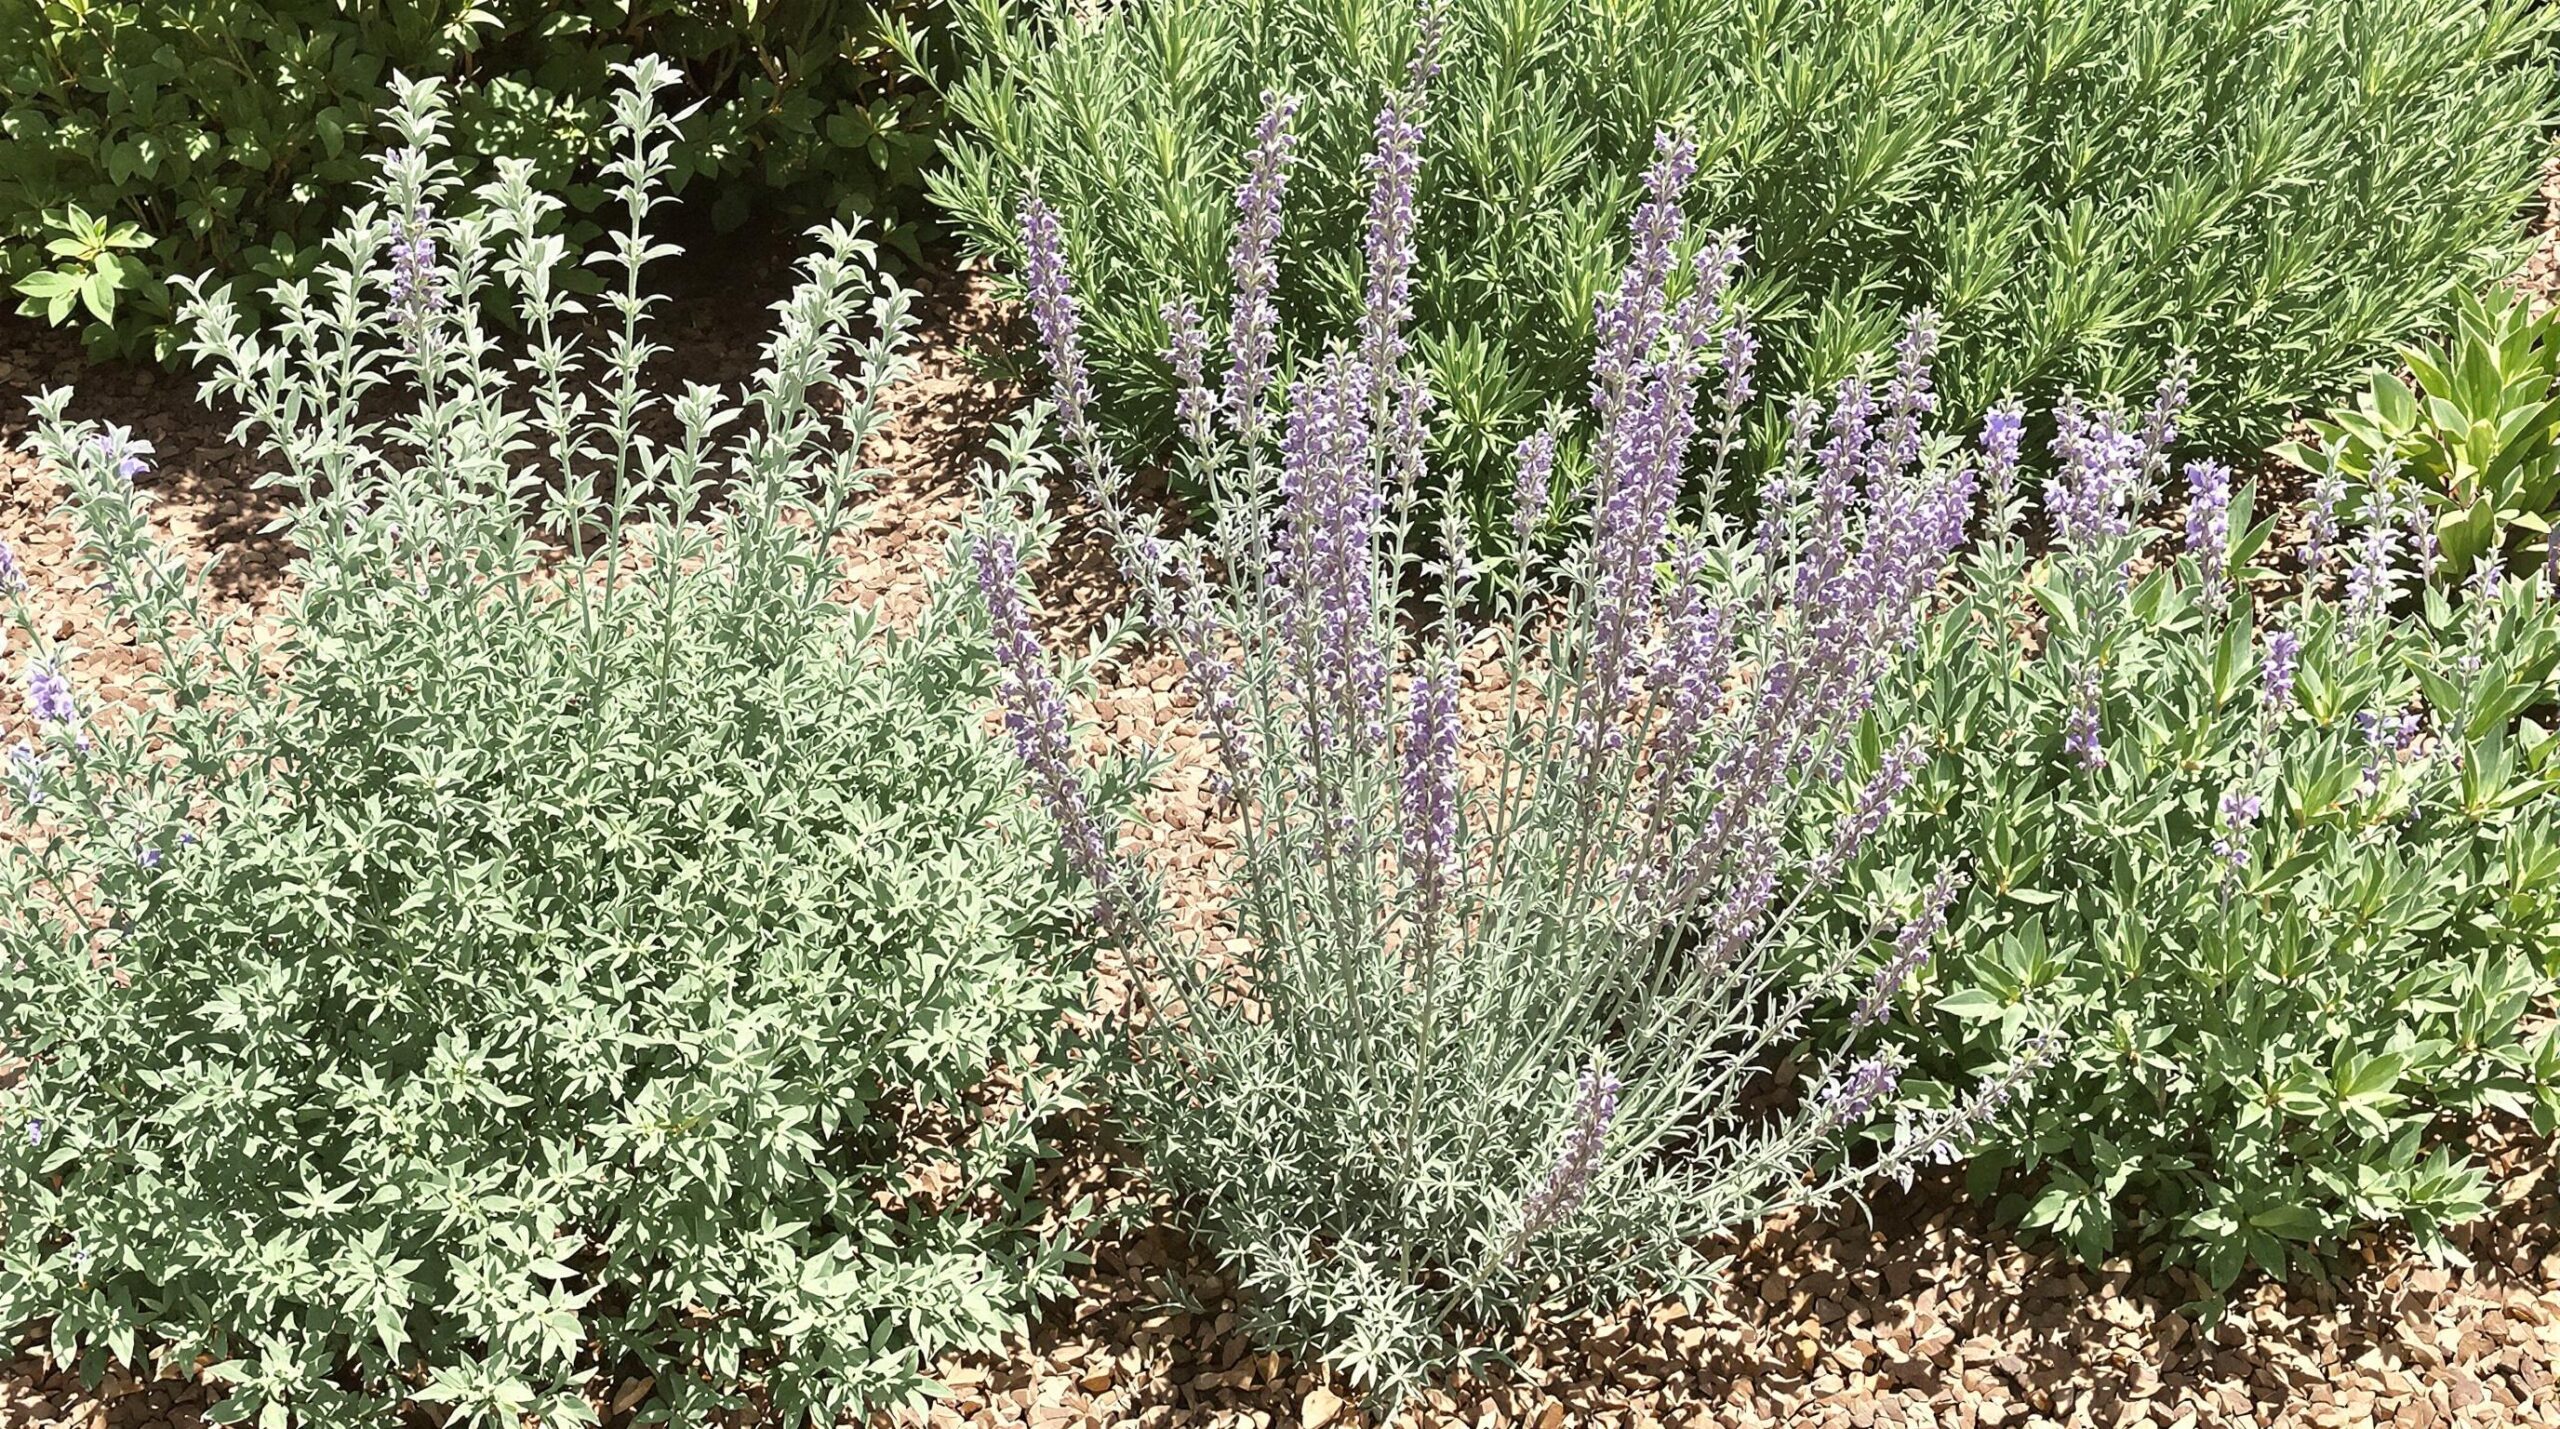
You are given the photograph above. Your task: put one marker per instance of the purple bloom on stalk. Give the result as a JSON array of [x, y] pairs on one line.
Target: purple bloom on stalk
[[1533, 465], [48, 694], [2284, 656], [2003, 427], [2209, 525], [1909, 397], [1254, 263], [1741, 352], [123, 455], [1429, 801], [1053, 311], [1035, 711], [417, 289], [2372, 577], [1394, 166], [1326, 564], [1852, 1095], [145, 856], [35, 1131], [13, 577], [2082, 738], [1595, 1105], [1875, 804], [2422, 538], [2240, 811], [1910, 952], [1186, 349], [2098, 465], [2320, 523], [2488, 577], [2160, 423]]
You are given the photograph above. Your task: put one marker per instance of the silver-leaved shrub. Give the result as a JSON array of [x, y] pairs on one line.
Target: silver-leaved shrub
[[569, 945], [2281, 875], [1494, 992]]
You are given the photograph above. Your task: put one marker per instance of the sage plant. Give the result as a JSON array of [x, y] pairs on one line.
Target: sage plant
[[1510, 850]]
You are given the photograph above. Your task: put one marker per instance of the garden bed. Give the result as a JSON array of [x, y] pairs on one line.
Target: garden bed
[[1914, 1311]]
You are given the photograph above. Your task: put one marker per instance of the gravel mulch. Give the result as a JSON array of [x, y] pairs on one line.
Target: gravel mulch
[[1916, 1312]]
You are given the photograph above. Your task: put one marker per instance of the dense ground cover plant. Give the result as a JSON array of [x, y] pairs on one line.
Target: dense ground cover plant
[[2283, 880], [2471, 430], [573, 946], [1504, 892], [2280, 187], [227, 132]]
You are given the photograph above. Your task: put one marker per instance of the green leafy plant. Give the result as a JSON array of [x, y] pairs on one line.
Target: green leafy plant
[[94, 264], [226, 129], [570, 945], [2281, 188], [2290, 897], [2476, 436]]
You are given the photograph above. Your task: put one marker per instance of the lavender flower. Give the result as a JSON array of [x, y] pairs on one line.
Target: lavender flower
[[1053, 311], [49, 695], [1429, 801], [2002, 429], [1252, 337], [1909, 398], [1741, 352], [2240, 811], [1035, 711], [2320, 521], [1326, 565], [1850, 1097], [121, 454], [1533, 464], [1595, 1105], [417, 289], [2284, 656], [2098, 463], [2488, 577], [2160, 423], [2209, 525], [1910, 952], [1875, 804], [2422, 538], [2082, 739], [2372, 577], [1394, 166], [26, 770], [13, 578], [1186, 349], [145, 856]]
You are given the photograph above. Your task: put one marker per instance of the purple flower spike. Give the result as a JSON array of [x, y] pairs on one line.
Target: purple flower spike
[[49, 695], [1326, 566], [1395, 166], [1851, 1097], [2209, 525], [2372, 575], [2320, 523], [1035, 712], [1430, 793], [2284, 655], [13, 577], [123, 455], [1186, 349], [2240, 811], [417, 289], [1595, 1105], [2003, 427], [2082, 738], [1910, 952], [1533, 465], [1053, 311], [1252, 335]]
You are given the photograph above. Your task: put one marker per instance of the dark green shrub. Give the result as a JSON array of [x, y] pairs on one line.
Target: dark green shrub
[[547, 958], [2282, 187], [228, 131], [2289, 898]]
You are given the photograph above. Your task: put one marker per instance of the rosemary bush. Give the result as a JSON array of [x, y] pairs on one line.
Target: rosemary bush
[[1505, 887], [2282, 188], [2283, 881], [571, 946]]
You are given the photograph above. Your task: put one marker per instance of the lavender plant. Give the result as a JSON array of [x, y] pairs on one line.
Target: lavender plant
[[571, 947], [1511, 846], [2282, 878]]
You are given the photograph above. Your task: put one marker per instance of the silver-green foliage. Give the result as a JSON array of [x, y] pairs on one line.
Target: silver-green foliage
[[572, 944], [2281, 188]]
